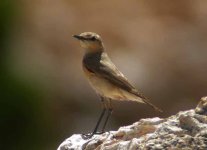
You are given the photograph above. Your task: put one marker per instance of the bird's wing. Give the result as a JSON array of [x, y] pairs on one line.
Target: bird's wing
[[110, 72]]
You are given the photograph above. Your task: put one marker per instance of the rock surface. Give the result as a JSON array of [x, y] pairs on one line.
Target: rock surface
[[186, 130]]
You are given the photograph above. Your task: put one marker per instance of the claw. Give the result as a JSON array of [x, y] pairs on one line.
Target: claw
[[87, 136], [90, 135]]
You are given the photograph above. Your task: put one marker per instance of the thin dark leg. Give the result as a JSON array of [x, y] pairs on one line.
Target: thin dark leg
[[99, 121], [107, 118], [96, 127]]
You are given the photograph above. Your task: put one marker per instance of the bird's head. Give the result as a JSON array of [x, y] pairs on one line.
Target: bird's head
[[90, 41]]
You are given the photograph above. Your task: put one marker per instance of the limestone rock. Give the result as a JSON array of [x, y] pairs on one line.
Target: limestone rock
[[186, 130]]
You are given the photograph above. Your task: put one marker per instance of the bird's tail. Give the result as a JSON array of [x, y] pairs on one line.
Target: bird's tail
[[152, 105], [146, 101]]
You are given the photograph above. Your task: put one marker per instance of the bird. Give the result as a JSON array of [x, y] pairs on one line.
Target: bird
[[105, 78]]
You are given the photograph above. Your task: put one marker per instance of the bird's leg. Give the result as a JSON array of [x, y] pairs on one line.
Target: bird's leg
[[86, 136], [110, 111], [107, 118]]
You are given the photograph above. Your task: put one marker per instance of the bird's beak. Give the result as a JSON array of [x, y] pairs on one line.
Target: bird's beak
[[78, 37]]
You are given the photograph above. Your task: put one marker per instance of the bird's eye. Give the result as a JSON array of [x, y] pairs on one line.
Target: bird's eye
[[93, 38]]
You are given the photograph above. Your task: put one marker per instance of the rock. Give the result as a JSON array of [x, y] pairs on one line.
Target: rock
[[202, 106], [186, 130]]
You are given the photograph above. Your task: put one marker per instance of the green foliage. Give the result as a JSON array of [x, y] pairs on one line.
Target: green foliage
[[22, 121]]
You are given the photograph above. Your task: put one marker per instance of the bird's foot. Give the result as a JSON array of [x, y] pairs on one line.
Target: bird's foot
[[90, 135], [87, 136]]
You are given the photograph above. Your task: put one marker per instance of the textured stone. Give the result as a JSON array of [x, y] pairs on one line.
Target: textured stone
[[186, 130]]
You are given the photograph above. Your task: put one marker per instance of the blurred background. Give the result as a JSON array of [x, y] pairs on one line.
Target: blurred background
[[161, 47]]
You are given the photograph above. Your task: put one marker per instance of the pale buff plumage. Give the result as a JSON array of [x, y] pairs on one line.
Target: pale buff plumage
[[103, 75]]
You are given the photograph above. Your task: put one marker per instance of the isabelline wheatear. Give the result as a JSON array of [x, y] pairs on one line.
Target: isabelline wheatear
[[104, 77]]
